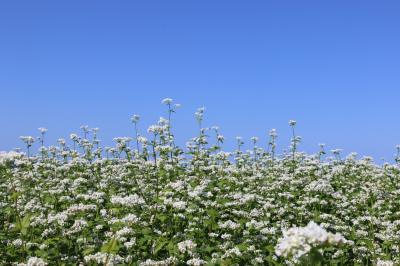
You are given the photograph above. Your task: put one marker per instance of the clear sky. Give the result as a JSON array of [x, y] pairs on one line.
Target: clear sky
[[334, 66]]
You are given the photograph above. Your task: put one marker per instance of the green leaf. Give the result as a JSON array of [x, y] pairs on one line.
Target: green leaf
[[159, 246], [15, 195], [242, 247], [209, 249], [212, 213], [25, 223], [162, 217], [172, 248], [111, 247], [88, 251], [22, 225]]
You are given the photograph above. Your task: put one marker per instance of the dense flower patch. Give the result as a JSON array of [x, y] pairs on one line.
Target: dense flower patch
[[148, 202]]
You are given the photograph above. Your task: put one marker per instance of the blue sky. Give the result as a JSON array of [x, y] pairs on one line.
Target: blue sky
[[331, 65]]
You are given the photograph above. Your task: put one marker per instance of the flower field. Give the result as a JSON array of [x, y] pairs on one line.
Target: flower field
[[147, 201]]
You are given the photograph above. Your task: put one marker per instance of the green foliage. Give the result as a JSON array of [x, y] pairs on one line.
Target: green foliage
[[148, 201]]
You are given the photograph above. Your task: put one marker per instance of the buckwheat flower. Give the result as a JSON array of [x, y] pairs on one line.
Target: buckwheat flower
[[336, 151], [166, 101], [298, 241], [73, 137], [254, 139], [186, 246], [292, 123], [320, 185], [196, 262], [6, 157], [199, 114], [105, 259], [80, 207], [35, 261], [231, 253], [122, 232], [128, 200], [77, 227], [380, 262], [177, 105], [229, 224], [178, 185], [240, 142], [130, 218], [17, 242], [155, 129], [130, 243], [42, 130], [226, 236], [135, 118], [142, 139], [180, 205], [166, 262], [272, 133], [213, 235], [85, 127], [29, 140], [259, 260], [163, 121]]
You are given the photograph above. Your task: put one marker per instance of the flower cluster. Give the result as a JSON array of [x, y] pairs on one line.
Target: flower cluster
[[146, 201], [298, 241]]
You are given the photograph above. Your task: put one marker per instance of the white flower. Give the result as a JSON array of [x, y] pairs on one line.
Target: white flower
[[128, 200], [199, 114], [104, 259], [142, 139], [196, 262], [298, 241], [229, 224], [239, 139], [384, 262], [76, 227], [135, 118], [166, 262], [336, 151], [130, 243], [231, 253], [254, 139], [27, 139], [180, 205], [123, 232], [320, 185], [273, 133], [187, 245], [166, 101], [17, 242], [35, 261], [9, 156], [73, 137], [42, 130]]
